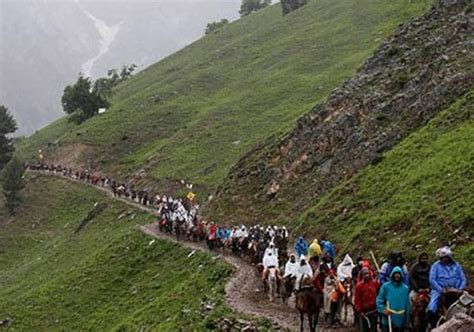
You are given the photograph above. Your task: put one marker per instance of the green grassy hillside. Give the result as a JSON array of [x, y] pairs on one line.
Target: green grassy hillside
[[106, 277], [421, 195], [194, 114]]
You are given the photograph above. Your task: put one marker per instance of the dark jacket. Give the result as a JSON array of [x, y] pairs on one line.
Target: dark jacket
[[420, 276]]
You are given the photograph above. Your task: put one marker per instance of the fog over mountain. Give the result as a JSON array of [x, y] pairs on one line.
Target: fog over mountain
[[44, 44]]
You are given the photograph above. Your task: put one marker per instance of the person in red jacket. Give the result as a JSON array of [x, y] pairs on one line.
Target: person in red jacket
[[365, 301]]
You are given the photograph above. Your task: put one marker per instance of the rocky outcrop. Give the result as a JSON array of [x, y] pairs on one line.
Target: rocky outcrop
[[423, 67], [460, 322]]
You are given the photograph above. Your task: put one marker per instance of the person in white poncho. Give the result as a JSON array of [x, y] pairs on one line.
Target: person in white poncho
[[291, 267], [344, 270], [271, 248], [243, 233], [269, 261], [304, 271]]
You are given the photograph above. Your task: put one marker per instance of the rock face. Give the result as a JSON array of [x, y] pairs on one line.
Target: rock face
[[448, 3], [460, 322], [418, 71]]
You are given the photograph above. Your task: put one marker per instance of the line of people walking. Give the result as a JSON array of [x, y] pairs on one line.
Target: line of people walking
[[391, 297]]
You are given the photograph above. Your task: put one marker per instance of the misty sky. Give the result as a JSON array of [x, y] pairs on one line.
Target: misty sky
[[44, 44]]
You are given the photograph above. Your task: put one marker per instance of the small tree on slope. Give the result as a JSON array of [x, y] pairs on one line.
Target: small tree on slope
[[288, 6], [7, 126], [12, 183], [249, 6], [83, 99]]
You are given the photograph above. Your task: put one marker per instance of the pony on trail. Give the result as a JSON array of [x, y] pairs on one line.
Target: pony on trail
[[419, 317], [346, 306], [272, 283], [308, 302], [288, 288], [253, 252]]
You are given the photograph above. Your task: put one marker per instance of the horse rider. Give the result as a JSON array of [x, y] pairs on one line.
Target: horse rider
[[271, 248], [365, 301], [270, 233], [270, 261], [291, 267], [395, 258], [328, 247], [235, 233], [327, 264], [243, 233], [304, 271], [445, 273], [419, 276], [301, 247], [393, 302], [314, 249], [344, 270]]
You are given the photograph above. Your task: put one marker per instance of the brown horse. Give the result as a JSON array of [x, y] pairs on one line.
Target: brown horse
[[308, 302], [271, 281], [419, 317], [448, 298], [253, 252], [288, 287], [179, 229]]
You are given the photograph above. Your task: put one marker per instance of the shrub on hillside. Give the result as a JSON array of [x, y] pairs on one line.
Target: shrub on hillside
[[249, 6], [288, 6], [213, 26]]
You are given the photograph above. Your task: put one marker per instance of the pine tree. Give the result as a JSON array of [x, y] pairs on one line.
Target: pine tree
[[7, 126], [12, 183]]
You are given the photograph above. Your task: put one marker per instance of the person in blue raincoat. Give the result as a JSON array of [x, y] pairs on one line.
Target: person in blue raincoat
[[393, 301], [301, 247], [445, 273], [327, 246]]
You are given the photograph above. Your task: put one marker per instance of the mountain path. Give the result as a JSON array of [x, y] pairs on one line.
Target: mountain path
[[243, 291]]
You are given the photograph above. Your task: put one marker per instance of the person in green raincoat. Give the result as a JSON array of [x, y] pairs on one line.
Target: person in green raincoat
[[393, 301]]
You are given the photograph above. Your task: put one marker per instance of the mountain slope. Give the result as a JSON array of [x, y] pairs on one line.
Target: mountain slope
[[194, 114], [108, 276], [419, 197], [425, 66]]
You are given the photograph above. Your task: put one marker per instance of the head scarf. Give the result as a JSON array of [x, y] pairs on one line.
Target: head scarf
[[443, 252]]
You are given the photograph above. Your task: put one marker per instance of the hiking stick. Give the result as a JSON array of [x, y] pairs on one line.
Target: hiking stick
[[367, 320], [364, 315], [389, 318], [375, 261]]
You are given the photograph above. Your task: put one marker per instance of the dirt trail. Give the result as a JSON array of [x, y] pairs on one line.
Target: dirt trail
[[244, 291]]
